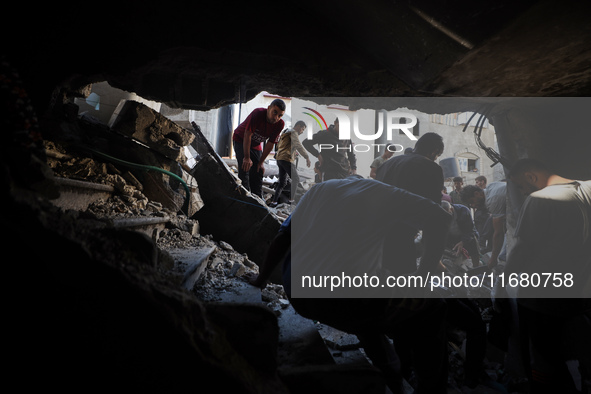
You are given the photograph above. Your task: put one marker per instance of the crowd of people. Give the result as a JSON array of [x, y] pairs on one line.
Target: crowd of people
[[371, 225]]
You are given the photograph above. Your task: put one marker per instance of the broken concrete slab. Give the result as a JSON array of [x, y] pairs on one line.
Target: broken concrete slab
[[78, 195], [242, 292], [157, 187], [229, 211], [133, 168], [151, 226], [149, 168], [204, 148], [232, 214], [190, 263], [300, 343], [138, 121], [337, 339]]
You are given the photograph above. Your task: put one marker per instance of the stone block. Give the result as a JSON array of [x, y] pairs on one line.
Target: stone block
[[142, 123], [191, 263], [78, 195], [232, 214]]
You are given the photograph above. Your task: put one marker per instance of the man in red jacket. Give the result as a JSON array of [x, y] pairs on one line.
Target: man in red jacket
[[261, 125]]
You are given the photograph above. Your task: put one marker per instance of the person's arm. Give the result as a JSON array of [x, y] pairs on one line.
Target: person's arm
[[297, 145], [435, 226], [497, 241], [466, 224], [467, 230], [246, 161], [375, 164], [266, 150], [372, 172], [435, 183], [420, 213], [275, 254], [309, 145], [457, 249], [434, 235]]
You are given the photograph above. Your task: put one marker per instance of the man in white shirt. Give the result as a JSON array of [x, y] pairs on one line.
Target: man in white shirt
[[552, 260]]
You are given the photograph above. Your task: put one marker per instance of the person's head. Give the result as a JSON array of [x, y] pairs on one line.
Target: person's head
[[387, 152], [275, 110], [336, 124], [300, 126], [473, 196], [408, 151], [481, 181], [529, 175], [458, 182], [430, 145]]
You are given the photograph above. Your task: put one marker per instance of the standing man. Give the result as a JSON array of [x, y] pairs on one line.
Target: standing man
[[455, 194], [323, 241], [380, 160], [417, 173], [553, 237], [494, 201], [336, 157], [482, 220], [289, 145], [261, 125], [462, 232]]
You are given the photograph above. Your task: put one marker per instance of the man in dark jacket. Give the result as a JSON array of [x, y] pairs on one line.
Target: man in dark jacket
[[336, 157], [462, 232], [417, 173], [324, 241]]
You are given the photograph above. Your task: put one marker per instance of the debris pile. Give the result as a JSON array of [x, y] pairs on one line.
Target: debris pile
[[132, 199], [235, 225], [226, 268]]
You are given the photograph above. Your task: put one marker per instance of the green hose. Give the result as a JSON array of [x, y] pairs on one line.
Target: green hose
[[185, 207]]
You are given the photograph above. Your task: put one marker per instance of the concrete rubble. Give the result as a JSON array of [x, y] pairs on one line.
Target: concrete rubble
[[142, 123], [190, 265], [167, 263]]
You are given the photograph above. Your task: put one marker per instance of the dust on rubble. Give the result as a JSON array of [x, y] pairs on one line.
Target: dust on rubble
[[227, 268]]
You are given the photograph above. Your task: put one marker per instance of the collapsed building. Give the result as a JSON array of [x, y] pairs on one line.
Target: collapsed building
[[106, 298]]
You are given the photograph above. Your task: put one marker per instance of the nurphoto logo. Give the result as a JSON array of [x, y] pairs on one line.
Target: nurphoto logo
[[388, 122]]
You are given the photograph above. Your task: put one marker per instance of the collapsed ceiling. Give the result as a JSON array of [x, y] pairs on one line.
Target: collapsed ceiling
[[479, 56], [194, 56]]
